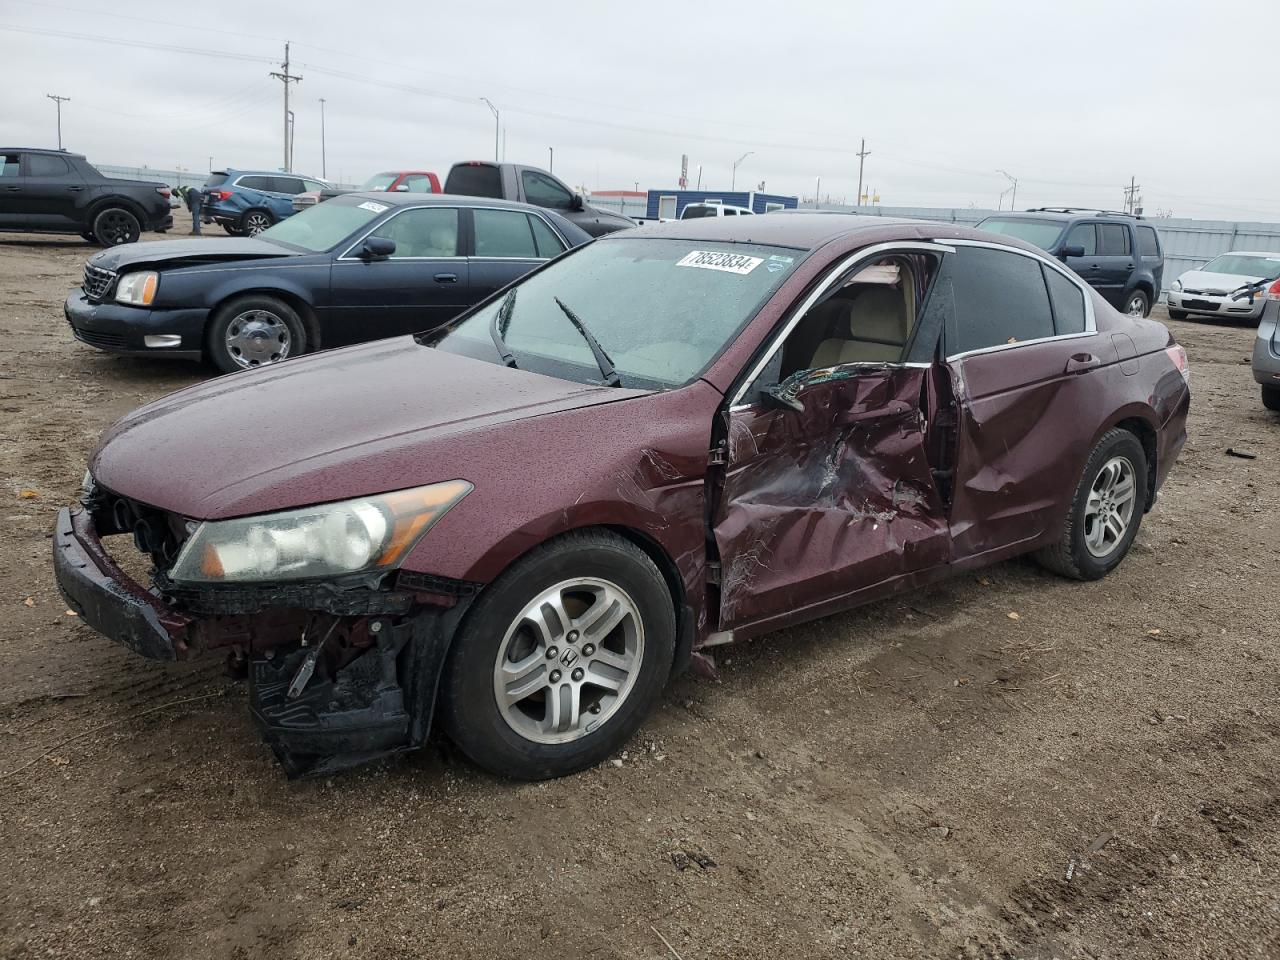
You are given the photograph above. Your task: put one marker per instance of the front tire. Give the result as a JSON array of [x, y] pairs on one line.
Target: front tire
[[561, 658], [1138, 304], [1271, 398], [254, 331], [113, 226], [1177, 314], [254, 222], [1105, 512]]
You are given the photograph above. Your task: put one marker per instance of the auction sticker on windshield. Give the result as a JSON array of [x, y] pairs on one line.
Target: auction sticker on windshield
[[726, 262], [375, 207]]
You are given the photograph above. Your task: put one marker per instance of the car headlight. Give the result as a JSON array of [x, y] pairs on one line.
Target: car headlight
[[138, 289], [329, 539], [1176, 286]]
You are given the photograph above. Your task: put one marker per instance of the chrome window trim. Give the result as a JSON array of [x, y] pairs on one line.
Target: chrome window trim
[[1090, 321], [911, 246], [346, 258]]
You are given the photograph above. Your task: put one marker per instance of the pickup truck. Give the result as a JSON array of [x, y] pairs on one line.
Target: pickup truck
[[514, 181], [53, 191], [394, 181]]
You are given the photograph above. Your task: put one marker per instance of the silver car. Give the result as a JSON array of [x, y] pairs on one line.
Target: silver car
[[1266, 349], [1207, 291]]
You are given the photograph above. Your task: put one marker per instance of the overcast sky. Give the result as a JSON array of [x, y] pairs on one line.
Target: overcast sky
[[1072, 100]]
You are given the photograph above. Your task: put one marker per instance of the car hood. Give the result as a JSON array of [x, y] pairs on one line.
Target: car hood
[[339, 424], [1217, 283], [193, 250]]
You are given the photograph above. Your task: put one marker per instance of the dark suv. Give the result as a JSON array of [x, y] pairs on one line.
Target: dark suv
[[1115, 253], [52, 191]]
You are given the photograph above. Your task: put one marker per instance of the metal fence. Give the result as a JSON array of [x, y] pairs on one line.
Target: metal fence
[[1188, 244], [174, 178], [627, 206]]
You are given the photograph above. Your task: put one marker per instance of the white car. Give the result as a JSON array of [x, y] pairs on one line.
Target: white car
[[693, 211], [1207, 291]]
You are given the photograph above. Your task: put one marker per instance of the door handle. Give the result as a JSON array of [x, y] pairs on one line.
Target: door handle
[[13, 189], [76, 189], [446, 278], [1081, 362]]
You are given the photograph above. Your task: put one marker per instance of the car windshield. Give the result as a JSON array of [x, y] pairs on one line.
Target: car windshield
[[660, 309], [1244, 265], [325, 225], [379, 181], [1043, 233]]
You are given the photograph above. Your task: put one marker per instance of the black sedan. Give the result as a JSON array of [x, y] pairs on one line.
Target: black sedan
[[359, 267]]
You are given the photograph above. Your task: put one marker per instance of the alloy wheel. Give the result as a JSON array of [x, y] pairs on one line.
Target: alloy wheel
[[116, 227], [257, 337], [1109, 509], [255, 223], [1137, 307], [569, 660]]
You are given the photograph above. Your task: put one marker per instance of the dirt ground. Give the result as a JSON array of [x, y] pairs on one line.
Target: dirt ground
[[1007, 765]]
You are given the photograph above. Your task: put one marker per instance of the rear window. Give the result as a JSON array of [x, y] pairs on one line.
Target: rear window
[[475, 180], [1148, 245], [696, 212], [1067, 300], [216, 179], [1042, 233]]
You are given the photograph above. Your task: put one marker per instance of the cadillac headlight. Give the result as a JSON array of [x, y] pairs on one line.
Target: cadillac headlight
[[330, 539], [137, 289]]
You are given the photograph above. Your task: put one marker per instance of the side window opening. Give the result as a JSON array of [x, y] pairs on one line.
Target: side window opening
[[868, 316], [1148, 242], [1113, 240], [1067, 301], [1084, 235], [423, 233], [999, 299]]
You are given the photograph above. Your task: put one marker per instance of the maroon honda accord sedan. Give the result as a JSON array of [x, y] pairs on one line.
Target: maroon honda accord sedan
[[522, 524]]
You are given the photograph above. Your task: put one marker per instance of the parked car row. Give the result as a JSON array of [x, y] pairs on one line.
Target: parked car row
[[519, 522]]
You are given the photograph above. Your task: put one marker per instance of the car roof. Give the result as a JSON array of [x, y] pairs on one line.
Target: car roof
[[1062, 214], [1269, 254], [805, 230], [61, 153]]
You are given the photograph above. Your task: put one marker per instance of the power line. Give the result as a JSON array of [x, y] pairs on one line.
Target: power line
[[144, 44], [59, 101]]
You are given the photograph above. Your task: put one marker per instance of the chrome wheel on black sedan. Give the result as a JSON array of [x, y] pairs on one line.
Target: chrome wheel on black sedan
[[254, 331], [560, 658]]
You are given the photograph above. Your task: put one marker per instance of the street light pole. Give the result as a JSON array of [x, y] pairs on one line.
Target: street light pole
[[497, 126], [551, 164], [734, 182], [323, 174], [1013, 200], [59, 101]]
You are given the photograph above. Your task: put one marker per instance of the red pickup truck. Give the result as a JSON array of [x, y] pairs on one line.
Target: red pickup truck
[[395, 181]]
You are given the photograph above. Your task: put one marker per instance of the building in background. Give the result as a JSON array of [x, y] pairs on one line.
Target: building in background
[[669, 204]]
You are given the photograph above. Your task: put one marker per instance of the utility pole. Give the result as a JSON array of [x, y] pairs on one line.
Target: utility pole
[[734, 182], [699, 186], [551, 164], [1131, 195], [59, 101], [289, 165], [323, 174], [817, 195], [1013, 201], [863, 153], [497, 126], [287, 78], [211, 164]]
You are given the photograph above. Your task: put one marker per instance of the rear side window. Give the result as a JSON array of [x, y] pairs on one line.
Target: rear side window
[[543, 191], [504, 233], [1084, 235], [8, 165], [999, 298], [475, 180], [549, 245], [256, 183], [216, 179], [43, 165], [1067, 300], [290, 185], [1113, 240], [1148, 244]]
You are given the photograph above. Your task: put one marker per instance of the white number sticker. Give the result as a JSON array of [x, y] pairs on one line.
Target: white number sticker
[[725, 262], [375, 207]]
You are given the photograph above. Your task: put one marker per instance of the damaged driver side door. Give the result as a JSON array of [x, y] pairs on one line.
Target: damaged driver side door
[[827, 494]]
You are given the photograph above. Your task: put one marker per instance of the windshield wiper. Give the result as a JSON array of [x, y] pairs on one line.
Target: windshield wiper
[[501, 318], [611, 378]]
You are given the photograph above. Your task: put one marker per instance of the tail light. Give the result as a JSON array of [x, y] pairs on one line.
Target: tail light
[[1179, 358], [224, 195], [1273, 291], [163, 191]]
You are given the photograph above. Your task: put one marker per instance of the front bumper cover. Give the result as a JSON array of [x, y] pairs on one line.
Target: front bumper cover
[[106, 597], [122, 329]]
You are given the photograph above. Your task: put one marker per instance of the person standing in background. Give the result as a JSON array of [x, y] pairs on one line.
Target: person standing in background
[[195, 200]]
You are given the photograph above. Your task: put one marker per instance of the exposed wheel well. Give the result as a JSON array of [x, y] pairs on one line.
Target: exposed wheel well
[[1146, 435], [301, 306], [671, 574]]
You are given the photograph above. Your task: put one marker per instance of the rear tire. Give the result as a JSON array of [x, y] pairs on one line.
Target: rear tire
[[234, 231], [1105, 512], [1271, 398], [1138, 304], [254, 221], [113, 226], [254, 331], [1177, 314], [532, 641]]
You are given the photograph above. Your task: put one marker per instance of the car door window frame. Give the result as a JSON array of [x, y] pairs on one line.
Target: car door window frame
[[1090, 322], [347, 255], [527, 213], [798, 311]]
